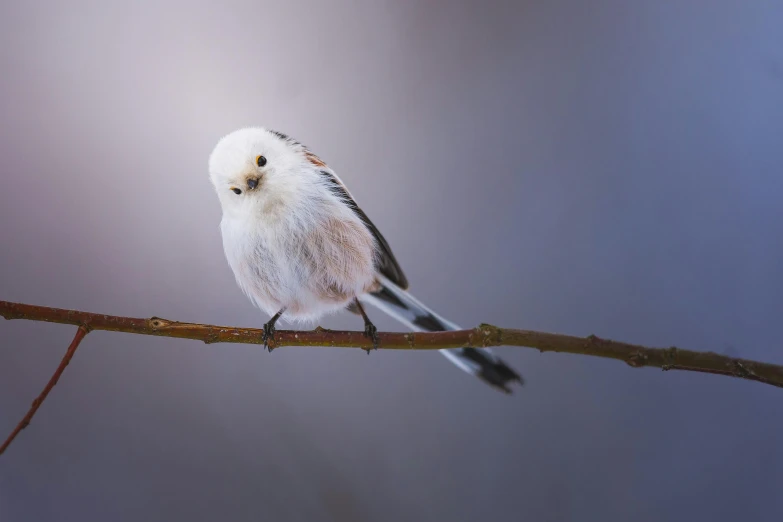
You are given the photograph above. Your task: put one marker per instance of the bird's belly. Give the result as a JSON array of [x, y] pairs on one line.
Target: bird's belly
[[308, 277]]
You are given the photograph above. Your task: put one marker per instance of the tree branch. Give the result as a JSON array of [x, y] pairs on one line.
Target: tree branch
[[80, 333], [483, 336]]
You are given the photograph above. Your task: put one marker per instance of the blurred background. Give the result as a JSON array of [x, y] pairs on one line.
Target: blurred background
[[604, 167]]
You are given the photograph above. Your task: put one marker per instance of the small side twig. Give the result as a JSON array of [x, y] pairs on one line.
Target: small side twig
[[80, 333]]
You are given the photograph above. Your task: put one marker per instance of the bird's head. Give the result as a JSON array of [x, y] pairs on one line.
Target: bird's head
[[257, 170]]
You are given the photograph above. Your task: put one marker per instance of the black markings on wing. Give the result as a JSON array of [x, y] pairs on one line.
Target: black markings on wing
[[284, 137], [387, 264]]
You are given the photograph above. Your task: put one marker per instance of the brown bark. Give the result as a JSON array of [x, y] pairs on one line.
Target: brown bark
[[80, 333], [482, 336]]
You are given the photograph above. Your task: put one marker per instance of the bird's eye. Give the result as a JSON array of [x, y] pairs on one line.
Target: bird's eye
[[237, 191], [260, 161], [252, 183]]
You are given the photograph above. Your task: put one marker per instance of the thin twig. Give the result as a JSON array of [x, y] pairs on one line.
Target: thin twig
[[80, 333], [485, 335]]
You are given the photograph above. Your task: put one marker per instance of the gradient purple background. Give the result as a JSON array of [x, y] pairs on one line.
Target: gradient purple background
[[606, 167]]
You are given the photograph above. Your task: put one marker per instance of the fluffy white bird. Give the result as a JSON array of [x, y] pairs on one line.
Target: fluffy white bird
[[300, 246]]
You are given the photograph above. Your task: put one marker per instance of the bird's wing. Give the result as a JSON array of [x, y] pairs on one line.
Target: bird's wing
[[387, 263]]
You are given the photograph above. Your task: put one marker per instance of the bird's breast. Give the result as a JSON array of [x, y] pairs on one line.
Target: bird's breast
[[323, 263]]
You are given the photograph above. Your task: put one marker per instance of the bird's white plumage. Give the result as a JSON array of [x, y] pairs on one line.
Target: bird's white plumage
[[297, 241], [291, 242]]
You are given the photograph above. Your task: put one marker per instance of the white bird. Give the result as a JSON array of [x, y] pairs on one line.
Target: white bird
[[300, 246]]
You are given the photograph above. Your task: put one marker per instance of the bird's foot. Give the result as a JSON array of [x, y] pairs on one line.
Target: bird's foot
[[269, 335], [372, 332]]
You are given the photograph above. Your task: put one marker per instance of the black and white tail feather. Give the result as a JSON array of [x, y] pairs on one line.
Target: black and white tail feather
[[408, 310]]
